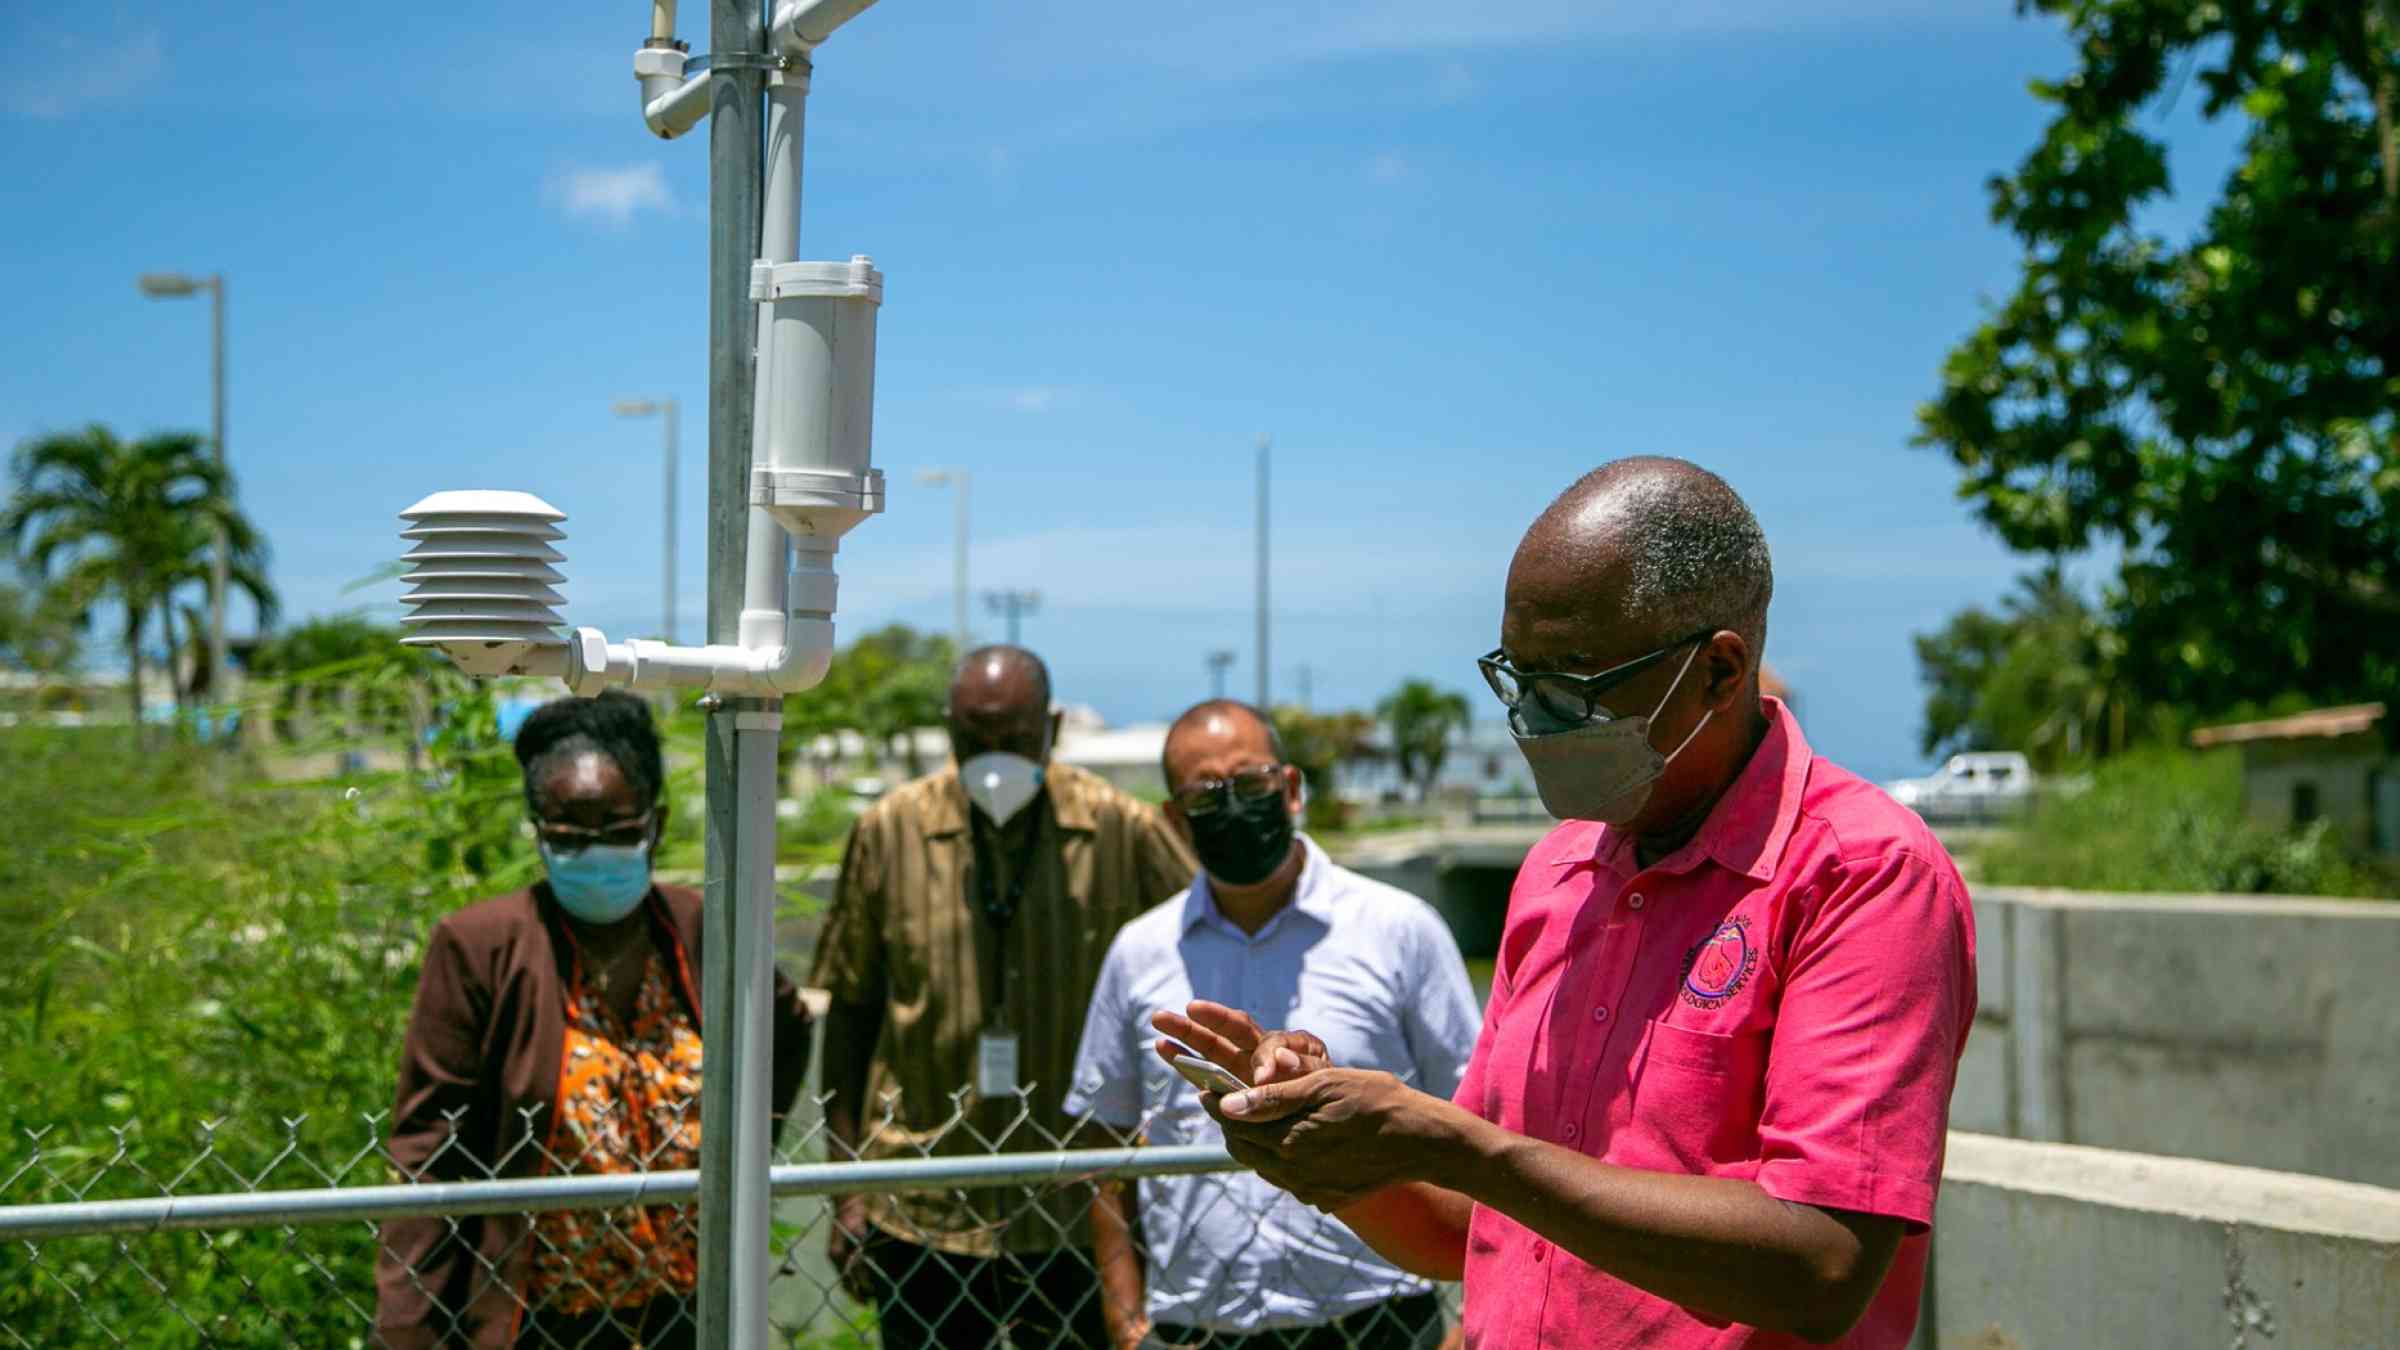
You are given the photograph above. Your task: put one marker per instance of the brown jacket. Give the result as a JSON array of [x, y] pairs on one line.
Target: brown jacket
[[907, 941], [479, 1074]]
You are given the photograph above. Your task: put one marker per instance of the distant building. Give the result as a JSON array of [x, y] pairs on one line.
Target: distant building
[[2330, 764], [1126, 756]]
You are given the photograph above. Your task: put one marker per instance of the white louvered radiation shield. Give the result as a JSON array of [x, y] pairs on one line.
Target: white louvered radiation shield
[[479, 578]]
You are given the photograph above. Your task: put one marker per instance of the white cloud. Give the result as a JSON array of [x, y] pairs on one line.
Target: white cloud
[[1453, 83], [614, 196], [1022, 398], [82, 71]]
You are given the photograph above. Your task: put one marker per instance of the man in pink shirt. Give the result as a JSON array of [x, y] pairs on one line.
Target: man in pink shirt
[[1709, 1100]]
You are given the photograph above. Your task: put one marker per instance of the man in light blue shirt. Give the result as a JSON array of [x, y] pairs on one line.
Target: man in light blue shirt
[[1276, 929]]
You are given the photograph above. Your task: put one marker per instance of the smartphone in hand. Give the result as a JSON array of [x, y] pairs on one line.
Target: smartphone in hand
[[1207, 1075]]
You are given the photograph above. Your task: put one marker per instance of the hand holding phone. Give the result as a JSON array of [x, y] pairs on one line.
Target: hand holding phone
[[1207, 1075]]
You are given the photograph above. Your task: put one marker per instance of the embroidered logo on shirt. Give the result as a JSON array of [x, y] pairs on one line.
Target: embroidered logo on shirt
[[1715, 971]]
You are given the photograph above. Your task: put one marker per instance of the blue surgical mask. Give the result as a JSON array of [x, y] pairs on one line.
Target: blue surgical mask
[[599, 883]]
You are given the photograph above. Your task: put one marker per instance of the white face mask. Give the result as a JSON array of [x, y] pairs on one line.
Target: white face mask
[[1000, 784], [1603, 769]]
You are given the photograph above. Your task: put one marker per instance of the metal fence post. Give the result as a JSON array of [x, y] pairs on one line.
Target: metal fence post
[[737, 39]]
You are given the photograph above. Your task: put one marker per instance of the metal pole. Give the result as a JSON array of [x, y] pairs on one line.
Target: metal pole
[[221, 564], [601, 1190], [1265, 664], [674, 413], [958, 560], [735, 171], [1013, 606]]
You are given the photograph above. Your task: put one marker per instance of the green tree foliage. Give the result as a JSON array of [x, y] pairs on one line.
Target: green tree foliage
[[345, 676], [1422, 719], [884, 685], [123, 522], [1318, 743], [2223, 408], [2044, 674]]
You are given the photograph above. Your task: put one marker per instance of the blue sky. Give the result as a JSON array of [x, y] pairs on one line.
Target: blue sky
[[1448, 255]]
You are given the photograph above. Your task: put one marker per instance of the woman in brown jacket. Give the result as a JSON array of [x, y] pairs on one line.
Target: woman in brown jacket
[[557, 1031]]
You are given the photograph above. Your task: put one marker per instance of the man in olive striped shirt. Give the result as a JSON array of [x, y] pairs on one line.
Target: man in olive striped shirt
[[968, 927]]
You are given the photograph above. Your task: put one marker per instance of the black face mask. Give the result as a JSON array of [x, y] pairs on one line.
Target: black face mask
[[1242, 842]]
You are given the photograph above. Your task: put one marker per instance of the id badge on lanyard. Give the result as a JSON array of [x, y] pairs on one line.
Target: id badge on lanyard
[[997, 1064]]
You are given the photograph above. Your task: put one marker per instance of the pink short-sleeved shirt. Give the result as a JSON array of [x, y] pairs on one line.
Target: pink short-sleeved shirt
[[1782, 1000]]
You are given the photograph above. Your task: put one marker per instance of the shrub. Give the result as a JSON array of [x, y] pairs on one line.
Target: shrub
[[2169, 820], [211, 974]]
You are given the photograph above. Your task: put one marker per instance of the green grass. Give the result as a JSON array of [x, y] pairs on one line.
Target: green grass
[[2169, 820]]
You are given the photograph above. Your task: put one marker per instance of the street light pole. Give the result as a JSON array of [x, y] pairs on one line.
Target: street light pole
[[1218, 663], [1015, 605], [672, 413], [1265, 663], [175, 285], [222, 563], [957, 479]]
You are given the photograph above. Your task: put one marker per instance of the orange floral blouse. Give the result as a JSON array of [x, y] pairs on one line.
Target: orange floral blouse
[[629, 1101]]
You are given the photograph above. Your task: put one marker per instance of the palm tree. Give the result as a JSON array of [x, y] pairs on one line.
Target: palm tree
[[121, 521], [2081, 693], [190, 552], [1318, 744], [1422, 719]]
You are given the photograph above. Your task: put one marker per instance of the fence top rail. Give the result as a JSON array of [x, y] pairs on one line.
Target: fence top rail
[[2352, 909], [267, 1209]]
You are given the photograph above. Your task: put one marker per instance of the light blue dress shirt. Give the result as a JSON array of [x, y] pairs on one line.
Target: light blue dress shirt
[[1369, 968]]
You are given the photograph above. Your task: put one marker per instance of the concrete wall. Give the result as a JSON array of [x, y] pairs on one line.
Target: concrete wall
[[2261, 1031], [2039, 1246]]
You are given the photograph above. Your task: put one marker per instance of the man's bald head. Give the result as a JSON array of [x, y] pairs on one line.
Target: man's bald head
[[1003, 672], [1220, 724], [1000, 700], [1654, 548]]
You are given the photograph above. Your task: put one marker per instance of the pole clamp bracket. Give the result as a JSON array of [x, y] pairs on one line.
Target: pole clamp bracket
[[732, 61]]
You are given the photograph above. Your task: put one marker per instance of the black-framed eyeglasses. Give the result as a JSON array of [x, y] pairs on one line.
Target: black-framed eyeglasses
[[1211, 795], [565, 838], [1570, 698]]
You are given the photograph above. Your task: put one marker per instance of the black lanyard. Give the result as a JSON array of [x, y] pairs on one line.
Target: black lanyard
[[1000, 910]]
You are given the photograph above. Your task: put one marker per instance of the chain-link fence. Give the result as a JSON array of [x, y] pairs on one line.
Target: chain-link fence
[[304, 1234]]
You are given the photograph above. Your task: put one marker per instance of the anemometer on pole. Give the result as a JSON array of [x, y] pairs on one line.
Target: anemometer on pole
[[791, 408]]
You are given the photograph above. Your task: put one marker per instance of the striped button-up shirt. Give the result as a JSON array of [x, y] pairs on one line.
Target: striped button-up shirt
[[908, 936]]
